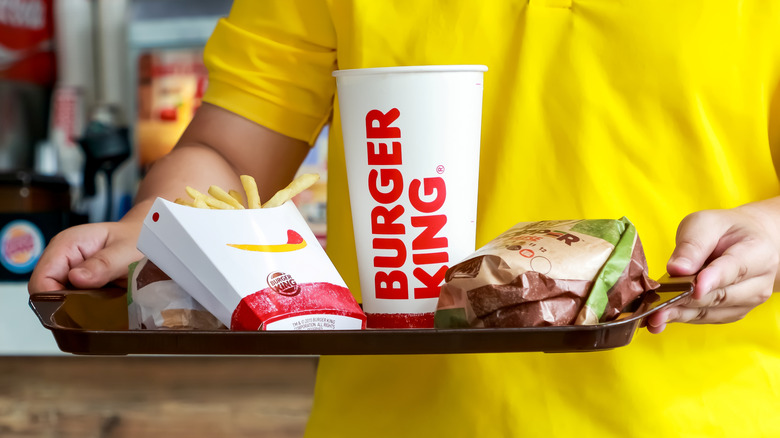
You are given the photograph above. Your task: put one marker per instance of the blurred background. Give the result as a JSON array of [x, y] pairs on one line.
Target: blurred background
[[92, 92]]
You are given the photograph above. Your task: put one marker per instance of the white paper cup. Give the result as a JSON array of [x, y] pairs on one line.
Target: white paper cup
[[411, 139]]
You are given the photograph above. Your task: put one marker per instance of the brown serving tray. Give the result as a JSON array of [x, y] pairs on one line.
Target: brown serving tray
[[94, 322]]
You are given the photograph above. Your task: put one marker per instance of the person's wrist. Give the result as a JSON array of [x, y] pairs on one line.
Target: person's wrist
[[767, 216], [138, 212]]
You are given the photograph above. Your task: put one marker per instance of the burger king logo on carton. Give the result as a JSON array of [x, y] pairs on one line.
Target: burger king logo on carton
[[426, 196], [283, 284]]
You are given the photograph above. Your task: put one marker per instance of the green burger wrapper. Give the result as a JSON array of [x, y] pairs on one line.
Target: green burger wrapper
[[547, 273]]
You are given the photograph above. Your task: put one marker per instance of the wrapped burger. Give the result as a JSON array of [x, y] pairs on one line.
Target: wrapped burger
[[155, 301], [547, 273]]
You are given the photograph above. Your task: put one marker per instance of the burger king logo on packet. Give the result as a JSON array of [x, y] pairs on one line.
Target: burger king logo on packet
[[283, 284]]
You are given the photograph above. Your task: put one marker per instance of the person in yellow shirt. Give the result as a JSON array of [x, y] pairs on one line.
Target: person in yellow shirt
[[665, 112]]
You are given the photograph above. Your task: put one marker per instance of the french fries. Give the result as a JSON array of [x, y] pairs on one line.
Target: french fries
[[298, 185], [217, 198], [236, 195], [223, 196], [250, 188]]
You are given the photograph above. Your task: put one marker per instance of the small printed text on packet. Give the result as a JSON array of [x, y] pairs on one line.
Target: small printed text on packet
[[315, 323]]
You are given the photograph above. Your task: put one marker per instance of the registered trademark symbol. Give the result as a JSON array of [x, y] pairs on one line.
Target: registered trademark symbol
[[439, 169]]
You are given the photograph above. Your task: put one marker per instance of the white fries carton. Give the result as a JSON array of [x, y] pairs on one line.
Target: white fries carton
[[253, 269]]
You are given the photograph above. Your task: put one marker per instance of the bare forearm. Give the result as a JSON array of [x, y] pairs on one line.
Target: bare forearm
[[214, 150], [193, 165]]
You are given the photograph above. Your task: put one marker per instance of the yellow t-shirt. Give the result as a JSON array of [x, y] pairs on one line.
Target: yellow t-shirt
[[650, 109]]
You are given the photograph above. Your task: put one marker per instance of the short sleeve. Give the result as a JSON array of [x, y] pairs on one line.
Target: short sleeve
[[271, 62]]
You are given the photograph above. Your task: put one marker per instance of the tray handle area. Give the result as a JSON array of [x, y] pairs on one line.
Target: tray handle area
[[672, 290], [103, 309]]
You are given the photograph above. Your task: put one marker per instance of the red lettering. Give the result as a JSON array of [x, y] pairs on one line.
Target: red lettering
[[379, 155], [427, 238], [530, 238], [432, 283], [527, 253], [431, 185], [382, 122], [388, 217], [392, 244], [430, 258], [389, 178], [385, 285]]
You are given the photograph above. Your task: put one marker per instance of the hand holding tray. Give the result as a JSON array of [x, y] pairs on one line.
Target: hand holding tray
[[94, 322]]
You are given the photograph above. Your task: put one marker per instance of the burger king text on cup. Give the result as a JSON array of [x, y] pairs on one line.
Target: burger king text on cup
[[386, 185]]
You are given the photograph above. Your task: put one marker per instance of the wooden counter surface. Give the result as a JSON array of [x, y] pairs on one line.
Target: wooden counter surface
[[114, 397]]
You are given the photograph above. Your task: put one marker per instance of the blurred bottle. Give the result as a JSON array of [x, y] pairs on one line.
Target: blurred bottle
[[27, 72], [74, 90]]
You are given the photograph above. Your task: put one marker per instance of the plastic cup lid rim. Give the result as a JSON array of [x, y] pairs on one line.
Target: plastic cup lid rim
[[412, 69]]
